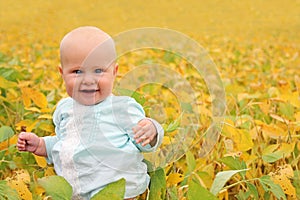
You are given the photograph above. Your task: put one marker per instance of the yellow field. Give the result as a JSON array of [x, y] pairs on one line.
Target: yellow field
[[255, 46], [236, 20]]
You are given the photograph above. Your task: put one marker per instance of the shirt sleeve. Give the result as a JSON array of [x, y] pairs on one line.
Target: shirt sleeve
[[160, 133], [131, 116], [50, 141]]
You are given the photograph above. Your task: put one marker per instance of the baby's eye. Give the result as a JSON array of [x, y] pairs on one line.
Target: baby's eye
[[77, 71], [99, 71]]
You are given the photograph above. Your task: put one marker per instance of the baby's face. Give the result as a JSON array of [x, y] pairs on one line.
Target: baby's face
[[88, 64], [89, 73], [89, 85]]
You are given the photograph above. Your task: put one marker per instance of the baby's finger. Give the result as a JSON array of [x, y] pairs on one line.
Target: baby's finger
[[21, 141], [21, 146], [23, 135], [140, 132], [145, 138], [136, 129], [143, 122], [145, 142]]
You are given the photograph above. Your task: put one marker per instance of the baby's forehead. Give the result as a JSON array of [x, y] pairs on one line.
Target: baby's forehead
[[92, 44], [85, 37]]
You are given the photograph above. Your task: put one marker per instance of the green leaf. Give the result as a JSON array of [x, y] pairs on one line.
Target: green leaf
[[296, 182], [113, 191], [269, 186], [5, 84], [6, 132], [174, 125], [7, 192], [172, 193], [287, 110], [158, 185], [190, 160], [186, 107], [234, 164], [137, 96], [11, 74], [56, 187], [196, 190], [221, 179], [243, 195], [253, 191], [272, 157]]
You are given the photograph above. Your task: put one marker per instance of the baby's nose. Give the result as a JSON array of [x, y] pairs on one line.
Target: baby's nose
[[89, 79]]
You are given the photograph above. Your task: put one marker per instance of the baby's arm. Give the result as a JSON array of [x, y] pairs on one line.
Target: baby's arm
[[146, 132], [32, 143]]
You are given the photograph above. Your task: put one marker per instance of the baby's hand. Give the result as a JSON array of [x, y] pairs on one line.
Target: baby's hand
[[28, 142], [145, 133]]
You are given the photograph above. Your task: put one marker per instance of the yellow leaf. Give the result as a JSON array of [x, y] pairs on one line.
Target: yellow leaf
[[39, 190], [167, 140], [21, 188], [284, 182], [41, 161], [32, 126], [19, 182], [297, 116], [7, 143], [45, 116], [25, 123], [6, 83], [2, 119], [228, 128], [50, 171], [288, 96], [286, 148], [228, 145], [171, 112], [11, 95], [174, 178], [273, 131], [287, 170], [223, 194], [258, 122], [46, 127], [33, 109], [295, 99], [46, 110], [26, 97], [270, 149], [254, 132], [22, 175], [264, 106], [279, 118], [297, 83], [39, 99], [243, 140]]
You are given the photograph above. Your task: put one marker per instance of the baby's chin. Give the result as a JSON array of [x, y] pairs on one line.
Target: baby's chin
[[88, 102]]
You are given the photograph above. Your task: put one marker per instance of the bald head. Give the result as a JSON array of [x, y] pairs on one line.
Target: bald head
[[87, 46]]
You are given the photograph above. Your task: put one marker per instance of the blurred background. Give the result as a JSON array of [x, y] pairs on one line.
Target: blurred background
[[244, 21]]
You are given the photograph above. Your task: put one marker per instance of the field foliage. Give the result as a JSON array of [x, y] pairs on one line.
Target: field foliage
[[257, 153]]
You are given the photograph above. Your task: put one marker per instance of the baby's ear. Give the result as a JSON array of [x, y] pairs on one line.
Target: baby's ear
[[116, 67], [60, 70]]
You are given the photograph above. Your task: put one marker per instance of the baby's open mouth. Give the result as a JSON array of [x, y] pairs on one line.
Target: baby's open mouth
[[89, 91]]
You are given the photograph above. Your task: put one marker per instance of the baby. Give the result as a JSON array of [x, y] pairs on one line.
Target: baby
[[99, 137]]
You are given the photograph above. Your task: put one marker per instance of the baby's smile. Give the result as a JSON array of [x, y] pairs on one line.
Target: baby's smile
[[89, 90]]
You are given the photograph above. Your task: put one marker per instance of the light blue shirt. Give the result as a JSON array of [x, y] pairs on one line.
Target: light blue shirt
[[94, 145]]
